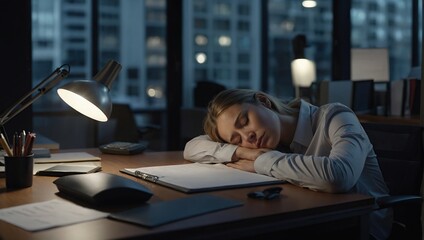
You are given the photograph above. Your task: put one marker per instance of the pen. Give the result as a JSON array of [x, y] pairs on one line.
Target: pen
[[19, 146], [5, 145], [15, 144], [27, 140], [19, 149], [23, 142], [29, 143]]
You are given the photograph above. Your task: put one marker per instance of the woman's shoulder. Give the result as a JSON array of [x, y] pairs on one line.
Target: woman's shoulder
[[328, 111], [334, 107]]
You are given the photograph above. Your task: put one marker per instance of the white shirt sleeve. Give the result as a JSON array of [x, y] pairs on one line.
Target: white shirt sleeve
[[336, 172], [202, 149]]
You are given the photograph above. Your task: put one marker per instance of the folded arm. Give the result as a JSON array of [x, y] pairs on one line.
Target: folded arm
[[337, 172], [202, 149]]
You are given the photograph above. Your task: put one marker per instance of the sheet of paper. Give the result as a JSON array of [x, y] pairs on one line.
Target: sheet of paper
[[67, 157], [48, 214]]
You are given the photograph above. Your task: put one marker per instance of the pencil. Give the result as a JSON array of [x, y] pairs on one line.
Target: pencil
[[29, 144], [5, 145]]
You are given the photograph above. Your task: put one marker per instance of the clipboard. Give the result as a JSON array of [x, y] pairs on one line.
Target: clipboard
[[200, 177]]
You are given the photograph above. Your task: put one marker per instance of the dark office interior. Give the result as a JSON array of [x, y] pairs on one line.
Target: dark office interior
[[397, 138], [18, 69]]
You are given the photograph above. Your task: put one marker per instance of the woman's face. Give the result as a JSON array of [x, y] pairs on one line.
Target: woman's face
[[249, 125]]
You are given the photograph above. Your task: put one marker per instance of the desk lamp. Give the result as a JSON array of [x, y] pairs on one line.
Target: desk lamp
[[89, 97], [42, 88], [303, 70]]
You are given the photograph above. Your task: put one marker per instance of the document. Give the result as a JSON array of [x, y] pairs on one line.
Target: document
[[67, 157], [48, 214], [200, 177]]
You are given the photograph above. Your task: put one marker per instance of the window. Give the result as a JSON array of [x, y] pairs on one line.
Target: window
[[243, 58], [130, 32], [380, 26], [244, 9], [221, 7], [222, 57], [132, 73], [223, 44], [286, 20], [201, 40], [243, 25], [221, 24], [200, 23]]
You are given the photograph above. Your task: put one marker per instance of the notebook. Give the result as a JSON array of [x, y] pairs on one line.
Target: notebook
[[200, 177], [63, 170]]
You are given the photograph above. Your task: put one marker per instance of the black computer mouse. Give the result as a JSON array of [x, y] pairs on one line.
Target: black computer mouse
[[103, 188]]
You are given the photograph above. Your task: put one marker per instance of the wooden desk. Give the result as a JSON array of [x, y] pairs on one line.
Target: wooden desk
[[407, 120], [298, 211]]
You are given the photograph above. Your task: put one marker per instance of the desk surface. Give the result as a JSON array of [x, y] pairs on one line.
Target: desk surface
[[297, 207], [407, 120]]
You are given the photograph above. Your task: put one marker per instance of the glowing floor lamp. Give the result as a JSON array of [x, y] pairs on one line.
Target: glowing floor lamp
[[89, 97], [303, 70]]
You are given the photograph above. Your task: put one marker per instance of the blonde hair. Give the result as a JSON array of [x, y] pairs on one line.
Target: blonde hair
[[230, 97]]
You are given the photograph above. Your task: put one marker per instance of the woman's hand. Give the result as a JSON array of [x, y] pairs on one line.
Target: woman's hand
[[248, 153], [244, 158], [245, 165]]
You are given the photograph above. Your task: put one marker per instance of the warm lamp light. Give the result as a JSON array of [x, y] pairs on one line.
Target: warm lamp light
[[303, 70], [91, 97], [309, 3]]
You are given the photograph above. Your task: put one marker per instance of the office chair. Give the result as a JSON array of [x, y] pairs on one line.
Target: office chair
[[399, 150], [192, 118], [205, 91], [191, 124]]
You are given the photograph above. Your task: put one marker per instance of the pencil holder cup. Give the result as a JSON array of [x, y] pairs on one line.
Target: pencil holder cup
[[18, 171]]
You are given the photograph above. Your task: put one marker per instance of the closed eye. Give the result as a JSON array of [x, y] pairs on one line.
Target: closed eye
[[242, 121], [235, 140]]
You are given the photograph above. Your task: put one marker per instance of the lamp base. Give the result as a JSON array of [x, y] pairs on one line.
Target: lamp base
[[307, 93]]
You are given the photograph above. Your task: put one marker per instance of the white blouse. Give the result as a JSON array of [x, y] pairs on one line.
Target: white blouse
[[330, 152]]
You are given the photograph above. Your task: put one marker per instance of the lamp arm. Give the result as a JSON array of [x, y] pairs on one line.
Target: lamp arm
[[43, 87]]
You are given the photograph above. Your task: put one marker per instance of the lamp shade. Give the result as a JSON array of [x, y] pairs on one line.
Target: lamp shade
[[303, 72], [91, 97]]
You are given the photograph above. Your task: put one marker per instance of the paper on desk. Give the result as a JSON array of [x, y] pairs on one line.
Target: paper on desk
[[77, 158], [48, 214], [67, 157]]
